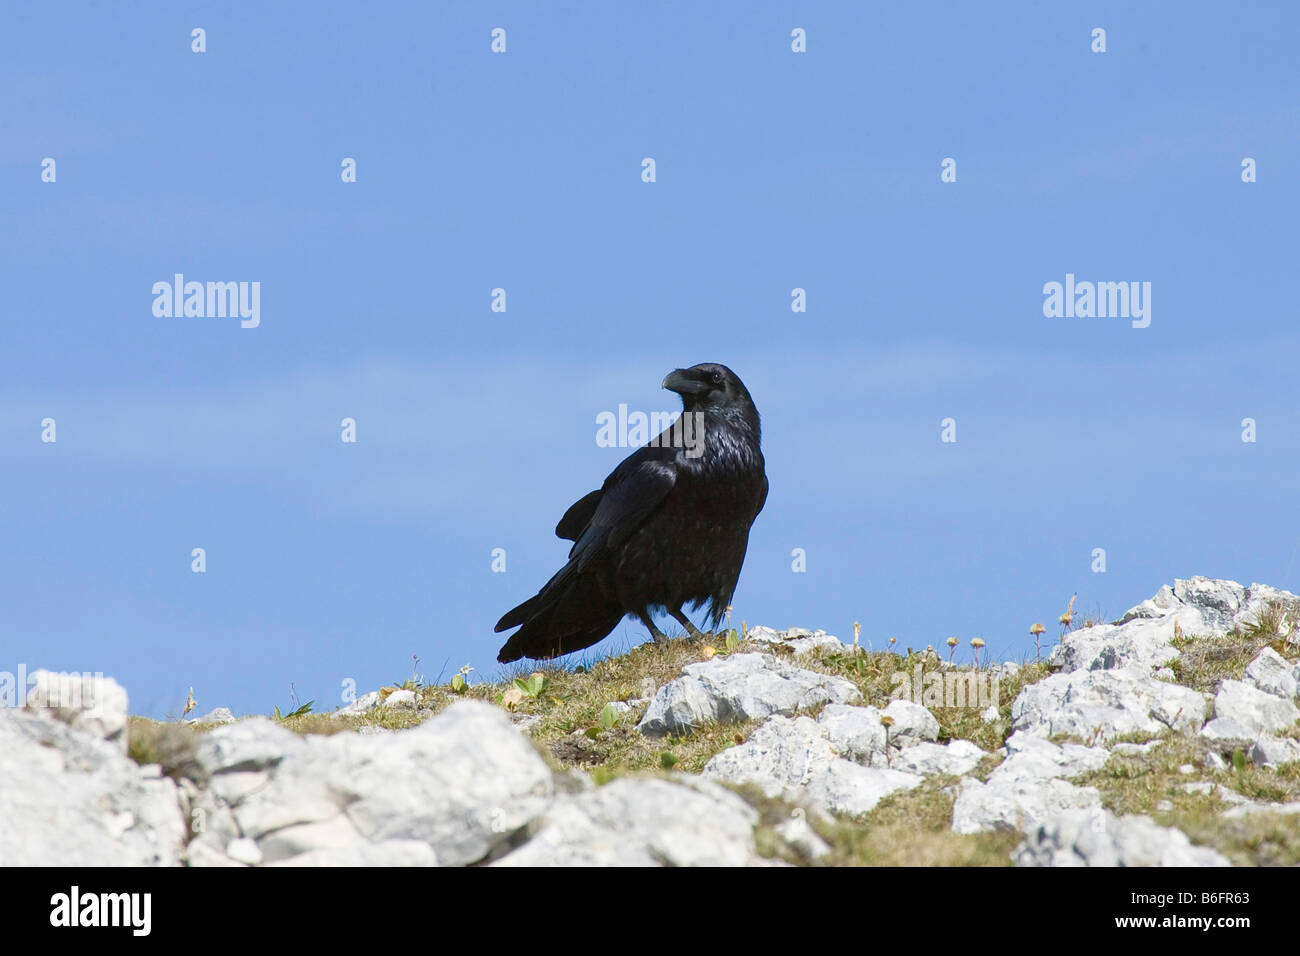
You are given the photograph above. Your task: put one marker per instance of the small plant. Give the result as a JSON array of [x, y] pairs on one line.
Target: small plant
[[886, 721], [1066, 618], [1037, 630], [733, 640], [667, 760], [532, 685], [952, 646], [609, 716], [416, 680], [977, 643], [857, 630], [460, 680], [1239, 761], [296, 712], [512, 698], [601, 776], [708, 651]]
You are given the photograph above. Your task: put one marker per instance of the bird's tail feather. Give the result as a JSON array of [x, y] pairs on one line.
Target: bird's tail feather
[[569, 619]]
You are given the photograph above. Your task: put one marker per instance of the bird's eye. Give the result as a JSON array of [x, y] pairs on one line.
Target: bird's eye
[[717, 377]]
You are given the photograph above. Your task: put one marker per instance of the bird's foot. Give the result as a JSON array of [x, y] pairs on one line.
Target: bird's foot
[[659, 636], [693, 633]]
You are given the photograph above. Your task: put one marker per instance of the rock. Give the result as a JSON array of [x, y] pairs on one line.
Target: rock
[[1228, 734], [1105, 704], [234, 786], [334, 833], [203, 853], [643, 822], [912, 723], [246, 745], [1142, 639], [798, 639], [1204, 606], [739, 687], [362, 705], [389, 853], [793, 758], [1208, 787], [244, 850], [218, 715], [1026, 786], [1030, 758], [1272, 751], [1015, 804], [1098, 838], [1250, 809], [853, 789], [1253, 708], [1139, 644], [854, 733], [400, 700], [991, 714], [782, 755], [798, 833], [955, 759], [450, 791], [1271, 673], [525, 723], [462, 782], [93, 703], [71, 797]]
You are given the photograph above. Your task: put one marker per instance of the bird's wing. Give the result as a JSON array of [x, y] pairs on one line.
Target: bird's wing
[[578, 516], [631, 494], [762, 497]]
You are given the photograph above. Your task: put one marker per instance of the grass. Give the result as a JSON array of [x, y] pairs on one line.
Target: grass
[[1204, 662], [1153, 784], [562, 714], [914, 828]]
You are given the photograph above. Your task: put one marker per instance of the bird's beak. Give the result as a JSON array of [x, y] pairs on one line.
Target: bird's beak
[[683, 384]]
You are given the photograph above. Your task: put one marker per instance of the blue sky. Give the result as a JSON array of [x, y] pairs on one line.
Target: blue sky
[[329, 561]]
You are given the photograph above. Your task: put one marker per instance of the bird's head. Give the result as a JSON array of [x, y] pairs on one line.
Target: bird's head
[[708, 386]]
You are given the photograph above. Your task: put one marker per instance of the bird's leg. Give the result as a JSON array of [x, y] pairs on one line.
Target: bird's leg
[[659, 636], [684, 621]]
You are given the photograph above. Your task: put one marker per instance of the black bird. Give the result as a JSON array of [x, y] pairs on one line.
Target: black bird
[[669, 526]]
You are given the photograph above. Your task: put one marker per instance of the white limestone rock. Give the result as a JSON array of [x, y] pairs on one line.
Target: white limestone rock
[[1095, 837], [798, 639], [1253, 708], [643, 822], [740, 687], [1105, 704]]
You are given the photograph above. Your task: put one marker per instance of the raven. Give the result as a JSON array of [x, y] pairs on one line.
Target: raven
[[668, 527]]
